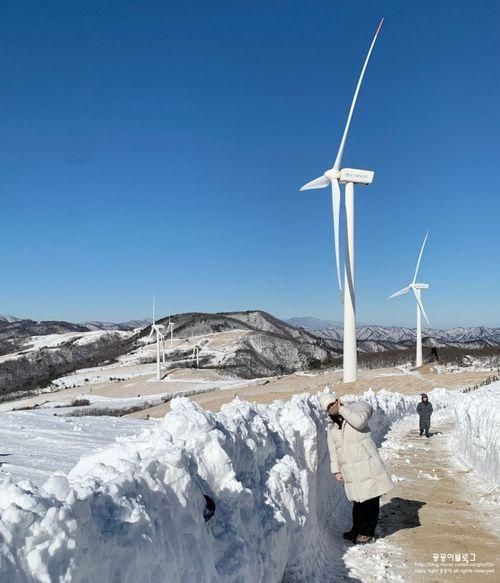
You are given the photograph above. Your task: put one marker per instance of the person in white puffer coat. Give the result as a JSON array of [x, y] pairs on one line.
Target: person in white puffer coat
[[354, 459]]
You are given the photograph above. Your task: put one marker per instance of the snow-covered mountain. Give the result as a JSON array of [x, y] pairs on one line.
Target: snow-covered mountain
[[312, 323], [14, 333], [6, 319], [91, 325], [32, 354], [474, 337], [264, 345], [128, 325]]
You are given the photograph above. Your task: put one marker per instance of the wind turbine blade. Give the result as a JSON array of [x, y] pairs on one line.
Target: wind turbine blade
[[420, 257], [421, 306], [405, 290], [336, 195], [320, 182], [338, 159], [152, 331], [154, 307]]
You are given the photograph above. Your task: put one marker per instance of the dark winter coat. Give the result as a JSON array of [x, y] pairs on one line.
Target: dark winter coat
[[425, 412]]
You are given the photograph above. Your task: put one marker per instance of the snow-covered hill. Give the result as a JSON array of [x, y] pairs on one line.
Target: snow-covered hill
[[14, 334], [262, 345], [6, 319], [39, 359]]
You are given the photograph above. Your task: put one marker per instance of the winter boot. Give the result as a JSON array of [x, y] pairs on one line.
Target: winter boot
[[349, 535], [363, 539]]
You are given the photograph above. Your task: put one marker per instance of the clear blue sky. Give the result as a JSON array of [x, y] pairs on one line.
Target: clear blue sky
[[158, 147]]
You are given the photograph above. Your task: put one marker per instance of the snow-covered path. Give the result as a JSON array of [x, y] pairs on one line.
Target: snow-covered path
[[433, 510]]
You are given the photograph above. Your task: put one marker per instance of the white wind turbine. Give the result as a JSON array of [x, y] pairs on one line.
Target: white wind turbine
[[170, 329], [348, 176], [196, 355], [417, 290], [158, 328]]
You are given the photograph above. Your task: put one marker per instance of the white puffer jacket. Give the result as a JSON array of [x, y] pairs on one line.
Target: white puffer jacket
[[354, 454]]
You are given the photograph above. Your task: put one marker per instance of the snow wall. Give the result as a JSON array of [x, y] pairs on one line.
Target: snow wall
[[134, 511], [477, 432]]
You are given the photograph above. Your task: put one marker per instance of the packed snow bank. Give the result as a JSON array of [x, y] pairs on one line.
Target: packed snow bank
[[477, 432], [134, 511]]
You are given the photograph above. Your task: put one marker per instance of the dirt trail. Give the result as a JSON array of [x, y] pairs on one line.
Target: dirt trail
[[284, 387], [431, 511]]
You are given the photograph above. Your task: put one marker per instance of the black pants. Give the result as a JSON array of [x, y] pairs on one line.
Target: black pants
[[424, 427], [365, 516]]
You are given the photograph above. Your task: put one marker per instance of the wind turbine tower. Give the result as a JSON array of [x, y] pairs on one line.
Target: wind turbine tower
[[170, 329], [417, 291], [348, 176], [196, 355], [158, 328]]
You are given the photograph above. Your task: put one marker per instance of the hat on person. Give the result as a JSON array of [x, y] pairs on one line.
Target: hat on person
[[326, 399]]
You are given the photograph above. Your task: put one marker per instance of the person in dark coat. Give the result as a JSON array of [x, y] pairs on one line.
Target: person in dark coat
[[424, 409]]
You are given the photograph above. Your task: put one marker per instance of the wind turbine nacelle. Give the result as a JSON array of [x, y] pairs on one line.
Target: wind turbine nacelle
[[421, 286], [356, 176]]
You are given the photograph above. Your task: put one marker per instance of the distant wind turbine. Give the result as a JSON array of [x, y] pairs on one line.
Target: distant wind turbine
[[348, 176], [158, 328], [417, 289], [196, 355], [170, 329]]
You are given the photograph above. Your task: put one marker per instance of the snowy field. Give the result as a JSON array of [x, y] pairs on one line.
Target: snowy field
[[133, 510], [36, 444]]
